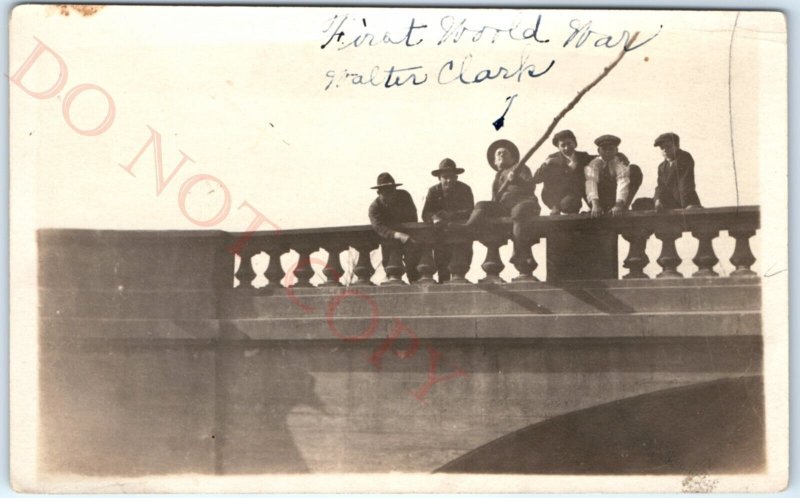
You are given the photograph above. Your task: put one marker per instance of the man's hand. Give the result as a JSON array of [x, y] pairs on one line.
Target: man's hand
[[659, 206], [402, 237], [596, 211], [692, 206], [441, 218], [511, 176], [555, 211], [618, 209]]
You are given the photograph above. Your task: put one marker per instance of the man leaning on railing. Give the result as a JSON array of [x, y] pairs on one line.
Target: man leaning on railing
[[675, 189], [611, 181], [448, 201], [393, 207]]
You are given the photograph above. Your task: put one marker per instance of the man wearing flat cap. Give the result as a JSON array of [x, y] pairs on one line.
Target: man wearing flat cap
[[513, 191], [393, 207], [448, 201], [611, 181], [675, 188], [563, 176]]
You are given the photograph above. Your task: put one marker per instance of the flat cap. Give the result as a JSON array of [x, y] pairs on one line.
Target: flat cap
[[562, 135], [607, 140], [667, 138]]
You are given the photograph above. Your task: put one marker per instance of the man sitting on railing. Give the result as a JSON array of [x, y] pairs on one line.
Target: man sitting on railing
[[675, 189], [448, 201], [563, 176], [611, 181], [391, 208], [513, 192]]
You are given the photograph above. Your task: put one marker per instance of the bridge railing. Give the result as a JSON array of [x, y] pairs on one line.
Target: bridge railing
[[638, 228]]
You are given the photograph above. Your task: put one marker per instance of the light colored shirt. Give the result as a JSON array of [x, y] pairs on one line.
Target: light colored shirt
[[616, 168]]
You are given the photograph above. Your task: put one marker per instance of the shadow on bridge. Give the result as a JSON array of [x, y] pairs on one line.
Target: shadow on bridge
[[715, 427]]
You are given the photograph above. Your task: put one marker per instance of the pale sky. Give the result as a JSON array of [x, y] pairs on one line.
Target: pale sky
[[242, 92]]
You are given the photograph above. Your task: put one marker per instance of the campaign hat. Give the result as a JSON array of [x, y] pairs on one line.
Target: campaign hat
[[447, 165], [501, 144], [386, 180]]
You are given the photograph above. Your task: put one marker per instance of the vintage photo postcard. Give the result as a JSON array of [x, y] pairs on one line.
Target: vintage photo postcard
[[343, 249]]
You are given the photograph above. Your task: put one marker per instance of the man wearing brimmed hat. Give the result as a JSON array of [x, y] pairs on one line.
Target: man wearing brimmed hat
[[611, 181], [513, 191], [447, 201], [675, 188], [562, 175], [392, 207]]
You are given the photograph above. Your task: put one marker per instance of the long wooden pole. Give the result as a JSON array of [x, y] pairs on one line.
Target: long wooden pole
[[569, 107]]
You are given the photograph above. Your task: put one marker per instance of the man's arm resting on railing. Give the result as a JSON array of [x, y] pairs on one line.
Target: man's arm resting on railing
[[376, 219]]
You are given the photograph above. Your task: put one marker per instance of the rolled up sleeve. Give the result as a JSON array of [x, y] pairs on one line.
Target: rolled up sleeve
[[623, 181], [592, 173]]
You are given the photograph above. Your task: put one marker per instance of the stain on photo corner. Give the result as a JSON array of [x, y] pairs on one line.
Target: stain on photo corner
[[698, 483], [82, 10]]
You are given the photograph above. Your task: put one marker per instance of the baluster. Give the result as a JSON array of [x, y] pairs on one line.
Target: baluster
[[705, 259], [303, 271], [459, 264], [363, 269], [275, 271], [245, 273], [742, 257], [224, 267], [394, 263], [492, 265], [669, 259], [426, 266], [333, 270], [637, 257], [524, 261]]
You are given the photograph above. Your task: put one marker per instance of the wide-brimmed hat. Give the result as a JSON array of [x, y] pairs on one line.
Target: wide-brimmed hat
[[386, 180], [563, 134], [504, 144], [668, 138], [447, 166], [607, 140]]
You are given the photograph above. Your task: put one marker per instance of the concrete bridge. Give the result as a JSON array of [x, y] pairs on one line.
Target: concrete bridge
[[163, 352]]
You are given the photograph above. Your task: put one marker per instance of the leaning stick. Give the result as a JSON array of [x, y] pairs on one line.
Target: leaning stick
[[569, 108]]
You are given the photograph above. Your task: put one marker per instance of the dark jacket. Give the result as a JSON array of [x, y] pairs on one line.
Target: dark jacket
[[455, 206], [560, 180], [676, 187], [521, 187], [383, 216]]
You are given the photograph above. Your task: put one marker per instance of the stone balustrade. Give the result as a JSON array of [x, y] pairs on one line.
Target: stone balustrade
[[151, 329], [636, 227]]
